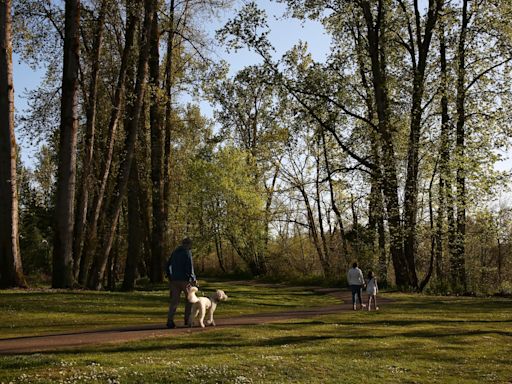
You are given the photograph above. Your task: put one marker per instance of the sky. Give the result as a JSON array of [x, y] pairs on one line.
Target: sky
[[284, 34]]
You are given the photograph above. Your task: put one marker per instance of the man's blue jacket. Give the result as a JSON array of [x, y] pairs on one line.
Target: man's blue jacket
[[180, 267]]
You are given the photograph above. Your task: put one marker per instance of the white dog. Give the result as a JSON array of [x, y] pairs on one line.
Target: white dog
[[202, 304]]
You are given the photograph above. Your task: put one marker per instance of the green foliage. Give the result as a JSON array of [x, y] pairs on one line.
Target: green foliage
[[343, 96], [37, 192], [256, 184], [227, 204]]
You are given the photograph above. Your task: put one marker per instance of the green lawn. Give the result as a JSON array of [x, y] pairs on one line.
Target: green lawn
[[416, 339], [37, 312]]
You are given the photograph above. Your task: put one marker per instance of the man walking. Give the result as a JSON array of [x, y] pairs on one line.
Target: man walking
[[355, 280], [180, 272]]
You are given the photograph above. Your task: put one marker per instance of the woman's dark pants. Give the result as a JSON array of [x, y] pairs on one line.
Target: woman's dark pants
[[356, 290]]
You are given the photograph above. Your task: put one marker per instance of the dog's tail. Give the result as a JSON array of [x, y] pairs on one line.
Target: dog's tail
[[191, 295]]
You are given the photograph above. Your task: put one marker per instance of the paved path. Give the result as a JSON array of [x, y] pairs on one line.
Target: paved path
[[32, 344]]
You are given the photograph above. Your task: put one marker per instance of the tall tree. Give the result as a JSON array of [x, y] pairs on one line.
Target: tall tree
[[445, 205], [157, 153], [115, 115], [100, 262], [62, 276], [11, 271], [90, 132], [134, 231], [457, 256], [375, 21], [169, 83], [418, 46]]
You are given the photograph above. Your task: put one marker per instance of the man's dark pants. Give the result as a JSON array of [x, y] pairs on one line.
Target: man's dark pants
[[176, 287]]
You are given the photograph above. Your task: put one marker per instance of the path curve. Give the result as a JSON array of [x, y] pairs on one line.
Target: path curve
[[64, 341]]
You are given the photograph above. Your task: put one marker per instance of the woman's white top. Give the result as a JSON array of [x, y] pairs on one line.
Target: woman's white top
[[355, 276], [372, 287]]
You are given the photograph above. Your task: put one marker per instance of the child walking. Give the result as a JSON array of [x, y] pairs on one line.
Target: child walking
[[371, 289]]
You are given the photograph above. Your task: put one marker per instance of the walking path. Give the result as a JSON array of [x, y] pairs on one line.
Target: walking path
[[32, 344]]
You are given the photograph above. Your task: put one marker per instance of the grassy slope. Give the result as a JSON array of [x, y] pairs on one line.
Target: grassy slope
[[416, 339]]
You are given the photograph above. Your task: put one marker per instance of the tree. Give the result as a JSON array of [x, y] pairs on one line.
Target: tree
[[157, 155], [312, 92], [252, 115], [418, 46], [11, 270], [37, 198], [91, 238], [90, 132], [62, 276], [381, 65], [100, 262]]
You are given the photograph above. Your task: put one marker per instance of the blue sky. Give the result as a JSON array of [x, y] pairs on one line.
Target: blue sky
[[285, 33]]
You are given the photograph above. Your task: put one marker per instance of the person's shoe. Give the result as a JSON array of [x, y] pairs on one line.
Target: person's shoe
[[171, 325], [354, 307]]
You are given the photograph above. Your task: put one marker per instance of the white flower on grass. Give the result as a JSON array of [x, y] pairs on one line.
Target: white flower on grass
[[272, 357], [242, 380], [397, 370]]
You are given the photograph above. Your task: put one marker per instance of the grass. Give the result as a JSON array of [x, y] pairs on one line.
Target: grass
[[415, 339], [44, 311]]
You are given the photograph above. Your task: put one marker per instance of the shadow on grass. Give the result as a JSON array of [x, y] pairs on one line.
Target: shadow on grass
[[28, 361], [221, 341], [456, 305], [406, 323], [210, 346]]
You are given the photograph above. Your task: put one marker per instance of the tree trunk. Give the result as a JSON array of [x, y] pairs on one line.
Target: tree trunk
[[11, 271], [499, 261], [99, 265], [113, 261], [62, 275], [390, 188], [422, 43], [97, 207], [337, 213], [134, 233], [376, 223], [83, 195], [313, 231], [157, 161], [219, 251], [169, 83], [377, 211], [457, 261], [428, 275], [444, 158], [270, 191], [326, 255]]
